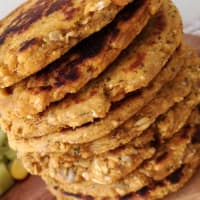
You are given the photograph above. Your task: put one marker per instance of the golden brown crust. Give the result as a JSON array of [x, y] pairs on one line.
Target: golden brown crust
[[77, 109], [168, 73], [170, 94], [174, 119], [39, 32], [85, 62], [154, 191], [188, 156], [173, 183], [103, 169], [110, 88], [113, 165]]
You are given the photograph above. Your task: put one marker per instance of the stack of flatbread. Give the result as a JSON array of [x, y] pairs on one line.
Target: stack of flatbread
[[101, 97]]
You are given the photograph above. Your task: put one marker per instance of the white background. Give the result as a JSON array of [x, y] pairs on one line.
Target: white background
[[190, 10]]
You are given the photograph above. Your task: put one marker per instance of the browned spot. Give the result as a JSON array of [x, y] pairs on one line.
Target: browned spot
[[185, 132], [139, 60], [25, 19], [58, 5], [8, 90], [161, 22], [70, 13], [39, 9], [68, 68], [130, 10], [78, 196], [196, 136], [159, 184], [198, 107], [144, 191], [175, 177], [45, 88], [126, 197], [26, 44], [162, 157]]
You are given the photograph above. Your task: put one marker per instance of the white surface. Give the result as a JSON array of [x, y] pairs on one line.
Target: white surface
[[190, 10]]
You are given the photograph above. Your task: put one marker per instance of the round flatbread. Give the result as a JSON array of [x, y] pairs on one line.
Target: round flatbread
[[40, 31], [111, 166], [83, 63], [173, 92], [116, 117], [174, 119], [115, 83], [155, 190], [173, 183], [128, 108], [134, 104], [54, 118], [189, 155]]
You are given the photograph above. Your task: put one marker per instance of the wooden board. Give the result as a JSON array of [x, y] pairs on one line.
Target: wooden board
[[34, 188]]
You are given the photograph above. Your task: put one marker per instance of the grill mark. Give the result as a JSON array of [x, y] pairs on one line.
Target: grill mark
[[161, 23], [196, 136], [175, 177], [185, 132], [159, 184], [46, 7], [90, 47], [72, 195], [126, 197], [162, 157], [130, 10], [198, 107], [25, 19], [44, 88], [59, 4], [138, 62], [70, 13], [78, 196], [130, 95], [28, 43], [38, 10], [144, 191]]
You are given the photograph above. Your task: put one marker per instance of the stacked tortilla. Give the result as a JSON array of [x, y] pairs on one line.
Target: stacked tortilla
[[101, 98]]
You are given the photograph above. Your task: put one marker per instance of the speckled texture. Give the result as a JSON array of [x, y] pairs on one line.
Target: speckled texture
[[171, 93], [156, 190], [134, 153], [40, 31], [114, 84], [83, 63], [168, 161]]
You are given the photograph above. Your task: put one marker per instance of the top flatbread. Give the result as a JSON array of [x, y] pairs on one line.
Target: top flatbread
[[83, 63], [40, 31]]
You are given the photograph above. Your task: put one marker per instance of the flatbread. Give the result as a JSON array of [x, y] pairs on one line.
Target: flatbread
[[173, 183], [100, 128], [128, 184], [170, 123], [155, 190], [103, 169], [83, 63], [111, 166], [173, 92], [147, 94], [86, 106], [19, 127], [38, 32]]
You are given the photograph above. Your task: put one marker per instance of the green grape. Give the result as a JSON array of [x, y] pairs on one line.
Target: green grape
[[10, 154], [3, 138], [6, 180]]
